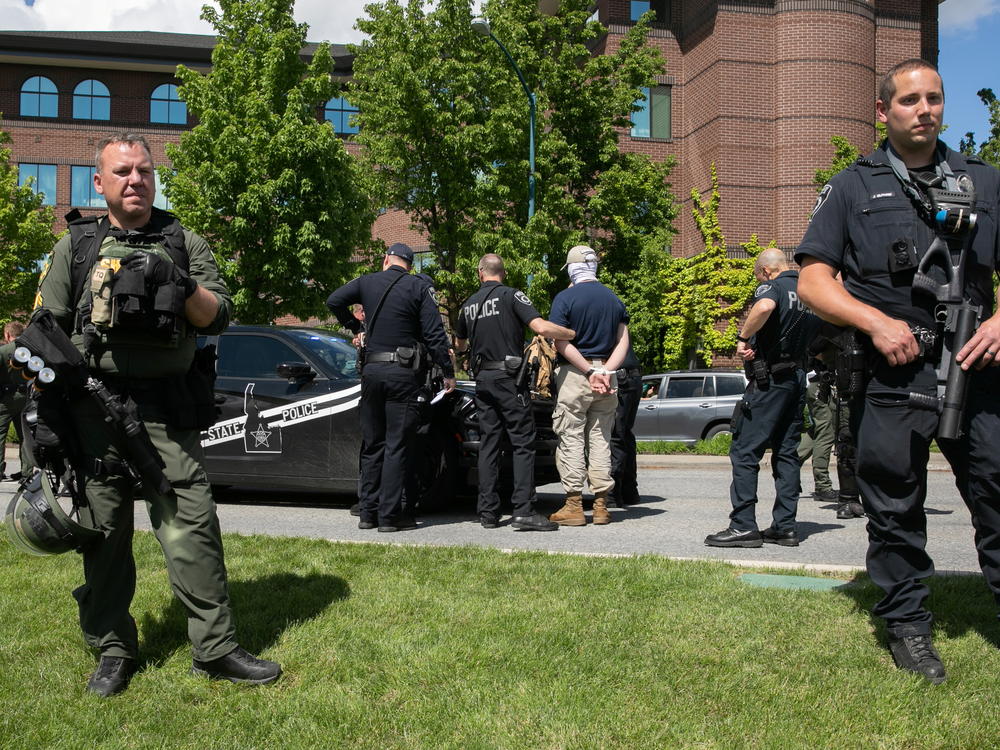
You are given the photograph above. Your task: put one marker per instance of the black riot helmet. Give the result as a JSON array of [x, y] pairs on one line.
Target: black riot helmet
[[37, 523]]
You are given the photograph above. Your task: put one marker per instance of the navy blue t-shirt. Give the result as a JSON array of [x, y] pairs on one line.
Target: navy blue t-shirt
[[594, 312]]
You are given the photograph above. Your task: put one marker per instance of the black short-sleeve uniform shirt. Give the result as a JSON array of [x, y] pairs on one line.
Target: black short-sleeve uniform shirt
[[790, 327], [493, 319], [408, 315], [863, 213]]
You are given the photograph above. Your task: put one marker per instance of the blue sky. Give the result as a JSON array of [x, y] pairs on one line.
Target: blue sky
[[969, 37], [969, 60]]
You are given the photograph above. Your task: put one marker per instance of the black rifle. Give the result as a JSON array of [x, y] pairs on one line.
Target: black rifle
[[957, 317], [45, 339]]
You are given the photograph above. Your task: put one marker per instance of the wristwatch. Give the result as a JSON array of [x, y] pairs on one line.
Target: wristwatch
[[742, 339], [589, 372]]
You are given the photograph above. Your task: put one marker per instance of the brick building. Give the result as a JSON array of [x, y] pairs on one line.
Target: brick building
[[756, 87]]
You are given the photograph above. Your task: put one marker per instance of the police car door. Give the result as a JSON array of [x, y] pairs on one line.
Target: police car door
[[261, 433]]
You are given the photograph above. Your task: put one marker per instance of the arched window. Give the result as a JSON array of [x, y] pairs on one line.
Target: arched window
[[338, 112], [39, 98], [165, 106], [91, 101]]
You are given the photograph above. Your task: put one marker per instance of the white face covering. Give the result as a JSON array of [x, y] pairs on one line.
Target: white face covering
[[582, 272]]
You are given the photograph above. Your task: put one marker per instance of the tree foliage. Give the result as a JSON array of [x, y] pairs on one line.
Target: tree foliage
[[444, 124], [706, 293], [989, 150], [260, 176], [25, 237]]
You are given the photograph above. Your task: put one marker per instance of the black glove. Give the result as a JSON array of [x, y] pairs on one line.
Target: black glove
[[158, 271]]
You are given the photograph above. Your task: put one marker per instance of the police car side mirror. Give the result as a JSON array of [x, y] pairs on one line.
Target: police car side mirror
[[296, 371]]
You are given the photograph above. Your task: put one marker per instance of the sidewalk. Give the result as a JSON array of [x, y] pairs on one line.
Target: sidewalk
[[937, 462]]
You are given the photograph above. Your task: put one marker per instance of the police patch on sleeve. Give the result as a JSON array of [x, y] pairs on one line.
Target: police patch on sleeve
[[522, 298], [762, 290], [824, 194]]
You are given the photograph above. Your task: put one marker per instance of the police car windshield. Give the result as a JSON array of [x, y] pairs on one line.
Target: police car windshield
[[338, 355]]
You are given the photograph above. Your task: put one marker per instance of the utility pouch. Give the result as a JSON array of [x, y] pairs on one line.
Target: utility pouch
[[359, 364], [168, 309], [511, 365], [760, 372], [408, 357], [101, 282], [189, 399]]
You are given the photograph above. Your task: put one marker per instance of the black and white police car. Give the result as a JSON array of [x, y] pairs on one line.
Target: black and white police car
[[289, 419]]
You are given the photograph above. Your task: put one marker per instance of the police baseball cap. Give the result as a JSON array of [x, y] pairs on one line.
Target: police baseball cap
[[580, 254], [401, 250]]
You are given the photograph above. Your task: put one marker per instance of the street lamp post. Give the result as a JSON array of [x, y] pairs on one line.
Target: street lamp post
[[482, 26]]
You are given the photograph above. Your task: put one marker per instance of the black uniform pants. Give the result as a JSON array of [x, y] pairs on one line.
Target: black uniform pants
[[769, 418], [623, 464], [893, 441], [501, 409], [390, 415], [847, 452]]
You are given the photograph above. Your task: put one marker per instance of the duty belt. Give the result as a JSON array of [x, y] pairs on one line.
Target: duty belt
[[491, 365], [630, 372], [382, 357]]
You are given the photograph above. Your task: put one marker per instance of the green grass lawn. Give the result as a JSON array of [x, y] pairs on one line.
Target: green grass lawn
[[406, 647]]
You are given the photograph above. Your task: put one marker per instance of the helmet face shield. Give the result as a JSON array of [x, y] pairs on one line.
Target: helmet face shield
[[37, 523]]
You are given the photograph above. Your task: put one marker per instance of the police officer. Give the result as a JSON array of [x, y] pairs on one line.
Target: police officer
[[817, 441], [146, 360], [875, 222], [401, 319], [492, 322], [586, 380], [773, 342], [623, 462], [12, 396]]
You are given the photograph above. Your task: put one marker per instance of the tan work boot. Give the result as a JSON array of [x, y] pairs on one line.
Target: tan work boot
[[601, 515], [571, 514]]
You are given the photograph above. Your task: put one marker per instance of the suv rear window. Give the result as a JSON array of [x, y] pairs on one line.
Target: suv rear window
[[729, 385]]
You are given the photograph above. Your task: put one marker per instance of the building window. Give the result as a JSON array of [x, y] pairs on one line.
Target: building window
[[660, 7], [161, 200], [39, 98], [43, 180], [166, 107], [338, 113], [653, 118], [91, 101], [82, 192]]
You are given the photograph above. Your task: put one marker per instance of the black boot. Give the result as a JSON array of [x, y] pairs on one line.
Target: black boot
[[112, 675], [916, 653], [238, 666]]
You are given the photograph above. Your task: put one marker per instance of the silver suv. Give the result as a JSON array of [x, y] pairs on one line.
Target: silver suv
[[688, 405]]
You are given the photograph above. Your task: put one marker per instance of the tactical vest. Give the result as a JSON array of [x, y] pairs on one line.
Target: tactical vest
[[114, 306]]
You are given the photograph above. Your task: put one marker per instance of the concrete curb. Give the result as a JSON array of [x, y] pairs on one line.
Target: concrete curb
[[936, 462]]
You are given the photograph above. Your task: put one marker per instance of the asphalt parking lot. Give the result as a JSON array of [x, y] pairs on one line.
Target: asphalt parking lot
[[684, 498]]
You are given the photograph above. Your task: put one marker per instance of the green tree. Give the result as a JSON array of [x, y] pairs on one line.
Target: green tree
[[707, 293], [989, 150], [25, 237], [260, 176], [444, 124]]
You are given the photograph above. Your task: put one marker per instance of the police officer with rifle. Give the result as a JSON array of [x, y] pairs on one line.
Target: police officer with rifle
[[492, 323], [132, 289], [913, 229], [773, 344]]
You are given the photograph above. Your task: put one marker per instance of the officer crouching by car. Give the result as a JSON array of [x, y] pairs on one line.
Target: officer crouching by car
[[401, 321], [492, 322], [774, 342], [134, 288]]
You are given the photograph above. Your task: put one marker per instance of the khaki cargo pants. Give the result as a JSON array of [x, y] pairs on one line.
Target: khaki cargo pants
[[583, 421]]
